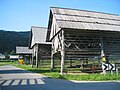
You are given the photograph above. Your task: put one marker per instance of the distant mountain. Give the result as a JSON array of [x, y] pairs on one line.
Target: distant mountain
[[10, 39]]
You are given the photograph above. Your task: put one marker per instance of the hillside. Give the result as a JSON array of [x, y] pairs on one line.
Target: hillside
[[10, 39]]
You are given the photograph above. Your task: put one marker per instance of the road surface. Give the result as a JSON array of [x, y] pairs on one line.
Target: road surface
[[12, 78]]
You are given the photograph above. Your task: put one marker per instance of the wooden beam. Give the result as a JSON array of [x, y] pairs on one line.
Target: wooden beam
[[62, 53], [102, 45], [102, 50], [37, 56], [52, 58], [70, 63], [30, 57], [32, 60], [25, 58]]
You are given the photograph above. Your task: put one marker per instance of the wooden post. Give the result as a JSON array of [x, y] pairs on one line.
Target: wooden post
[[52, 55], [102, 45], [25, 58], [102, 50], [70, 63], [32, 60], [52, 61], [111, 71], [62, 53], [52, 58], [37, 56], [82, 67], [117, 72]]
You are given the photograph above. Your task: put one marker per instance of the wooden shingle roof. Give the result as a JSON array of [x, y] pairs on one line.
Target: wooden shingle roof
[[83, 19], [38, 36], [23, 50]]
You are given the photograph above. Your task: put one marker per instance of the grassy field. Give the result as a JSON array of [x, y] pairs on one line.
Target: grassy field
[[45, 70], [5, 62], [2, 63]]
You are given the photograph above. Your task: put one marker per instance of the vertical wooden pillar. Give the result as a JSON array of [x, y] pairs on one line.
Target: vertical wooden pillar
[[102, 50], [37, 56], [82, 65], [25, 58], [70, 63], [62, 53], [32, 60], [102, 45], [52, 61], [30, 57], [52, 57]]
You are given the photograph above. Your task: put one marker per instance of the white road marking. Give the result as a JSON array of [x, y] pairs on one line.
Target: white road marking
[[16, 82], [39, 81], [32, 81], [1, 82], [24, 82], [7, 83]]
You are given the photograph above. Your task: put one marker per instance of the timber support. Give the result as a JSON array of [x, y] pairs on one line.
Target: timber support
[[62, 53], [102, 45], [37, 56], [52, 59]]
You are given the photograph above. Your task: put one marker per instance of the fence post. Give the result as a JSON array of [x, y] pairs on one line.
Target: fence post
[[111, 72], [117, 71]]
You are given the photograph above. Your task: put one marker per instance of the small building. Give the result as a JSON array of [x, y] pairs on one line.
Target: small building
[[25, 53], [41, 49], [82, 35], [14, 57], [2, 57]]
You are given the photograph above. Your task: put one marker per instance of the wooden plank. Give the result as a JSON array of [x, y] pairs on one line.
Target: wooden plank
[[37, 56], [32, 60], [52, 58], [102, 45], [62, 53]]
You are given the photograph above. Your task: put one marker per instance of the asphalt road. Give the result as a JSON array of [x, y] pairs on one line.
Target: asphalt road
[[12, 78]]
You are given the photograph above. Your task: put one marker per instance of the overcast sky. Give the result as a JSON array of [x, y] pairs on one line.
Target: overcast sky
[[20, 15]]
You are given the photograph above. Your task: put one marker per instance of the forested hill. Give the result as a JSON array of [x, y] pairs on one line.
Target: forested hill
[[10, 39]]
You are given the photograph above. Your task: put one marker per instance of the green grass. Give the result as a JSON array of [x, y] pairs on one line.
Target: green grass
[[93, 77], [5, 62], [45, 70], [1, 64]]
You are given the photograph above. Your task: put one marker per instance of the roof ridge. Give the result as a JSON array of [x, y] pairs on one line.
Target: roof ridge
[[85, 10]]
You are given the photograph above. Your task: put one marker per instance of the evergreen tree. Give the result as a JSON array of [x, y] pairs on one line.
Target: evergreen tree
[[10, 39]]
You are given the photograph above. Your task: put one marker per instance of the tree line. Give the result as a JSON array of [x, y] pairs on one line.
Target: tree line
[[10, 39]]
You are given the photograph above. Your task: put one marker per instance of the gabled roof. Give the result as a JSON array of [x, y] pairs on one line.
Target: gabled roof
[[14, 56], [2, 56], [38, 36], [83, 19], [23, 50]]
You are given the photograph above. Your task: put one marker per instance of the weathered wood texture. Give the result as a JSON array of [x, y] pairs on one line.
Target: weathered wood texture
[[62, 52], [82, 19], [41, 52], [87, 45], [52, 57], [37, 35], [40, 48], [23, 50], [87, 34], [82, 44], [44, 51]]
